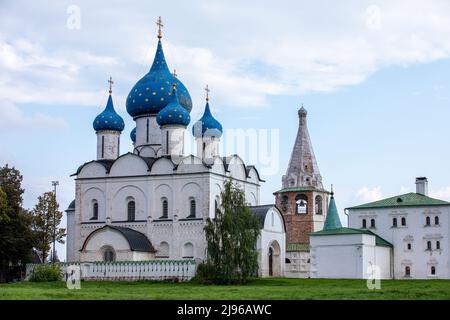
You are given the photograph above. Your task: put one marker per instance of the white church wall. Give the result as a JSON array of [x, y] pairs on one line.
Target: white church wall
[[162, 166], [128, 165], [92, 170], [108, 144], [122, 194], [70, 238], [93, 193], [272, 234]]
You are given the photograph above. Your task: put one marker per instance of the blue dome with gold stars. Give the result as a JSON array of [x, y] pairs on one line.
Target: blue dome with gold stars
[[173, 113], [152, 93], [133, 135], [109, 119], [207, 125]]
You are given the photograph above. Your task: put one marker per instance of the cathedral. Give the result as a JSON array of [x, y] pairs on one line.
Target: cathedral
[[152, 203]]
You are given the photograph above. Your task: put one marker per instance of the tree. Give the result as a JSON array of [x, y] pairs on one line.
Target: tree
[[231, 239], [16, 238], [3, 206], [43, 225]]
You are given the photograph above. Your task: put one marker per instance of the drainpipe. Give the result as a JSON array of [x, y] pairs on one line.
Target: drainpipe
[[346, 213]]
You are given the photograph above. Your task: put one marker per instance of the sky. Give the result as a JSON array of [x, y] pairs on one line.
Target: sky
[[373, 75]]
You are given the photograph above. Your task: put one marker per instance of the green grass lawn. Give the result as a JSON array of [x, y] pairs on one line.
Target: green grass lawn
[[268, 289]]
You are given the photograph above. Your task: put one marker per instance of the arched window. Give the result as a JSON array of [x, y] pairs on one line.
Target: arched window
[[192, 208], [407, 271], [438, 245], [188, 250], [427, 221], [163, 250], [109, 254], [409, 246], [364, 223], [94, 210], [436, 220], [433, 270], [394, 222], [302, 204], [165, 208], [372, 223], [428, 245], [319, 206], [131, 210], [403, 221]]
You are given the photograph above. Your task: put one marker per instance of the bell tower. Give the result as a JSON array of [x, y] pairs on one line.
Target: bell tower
[[302, 200]]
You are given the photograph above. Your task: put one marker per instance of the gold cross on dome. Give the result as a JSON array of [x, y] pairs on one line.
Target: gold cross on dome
[[207, 92], [160, 25], [111, 82], [174, 85]]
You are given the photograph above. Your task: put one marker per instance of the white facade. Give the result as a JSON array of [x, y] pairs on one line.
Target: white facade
[[348, 256], [149, 182], [271, 242], [412, 239]]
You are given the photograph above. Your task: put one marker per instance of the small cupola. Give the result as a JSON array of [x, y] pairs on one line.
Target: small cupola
[[109, 119]]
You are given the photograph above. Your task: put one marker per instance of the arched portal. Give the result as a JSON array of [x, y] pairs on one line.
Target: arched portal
[[274, 254]]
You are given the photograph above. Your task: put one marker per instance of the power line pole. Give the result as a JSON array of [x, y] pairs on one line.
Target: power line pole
[[54, 184]]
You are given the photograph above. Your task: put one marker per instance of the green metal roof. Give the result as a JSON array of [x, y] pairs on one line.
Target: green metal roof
[[343, 231], [297, 247], [406, 200], [332, 220], [300, 189]]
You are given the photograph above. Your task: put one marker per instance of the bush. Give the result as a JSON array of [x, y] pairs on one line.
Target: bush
[[46, 273], [207, 273]]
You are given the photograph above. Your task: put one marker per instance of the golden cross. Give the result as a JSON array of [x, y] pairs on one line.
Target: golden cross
[[111, 82], [174, 79], [160, 25], [207, 92]]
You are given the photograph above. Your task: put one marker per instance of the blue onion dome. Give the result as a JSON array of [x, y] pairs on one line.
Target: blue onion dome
[[133, 135], [173, 113], [109, 119], [151, 93], [207, 125]]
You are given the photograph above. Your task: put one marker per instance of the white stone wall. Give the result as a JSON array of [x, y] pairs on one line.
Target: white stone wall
[[416, 233], [273, 235], [210, 148], [70, 238], [154, 137], [173, 139], [347, 256], [299, 266], [129, 178], [108, 144], [182, 270]]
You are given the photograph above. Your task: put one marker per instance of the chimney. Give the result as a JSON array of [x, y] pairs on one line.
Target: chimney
[[422, 186]]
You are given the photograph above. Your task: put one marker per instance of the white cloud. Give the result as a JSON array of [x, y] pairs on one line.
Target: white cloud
[[442, 193], [246, 52], [369, 195], [13, 118]]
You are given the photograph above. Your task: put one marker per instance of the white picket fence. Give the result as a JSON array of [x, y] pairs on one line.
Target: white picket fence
[[181, 270]]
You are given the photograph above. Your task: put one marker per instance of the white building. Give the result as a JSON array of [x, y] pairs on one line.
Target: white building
[[401, 237], [152, 203], [417, 226]]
